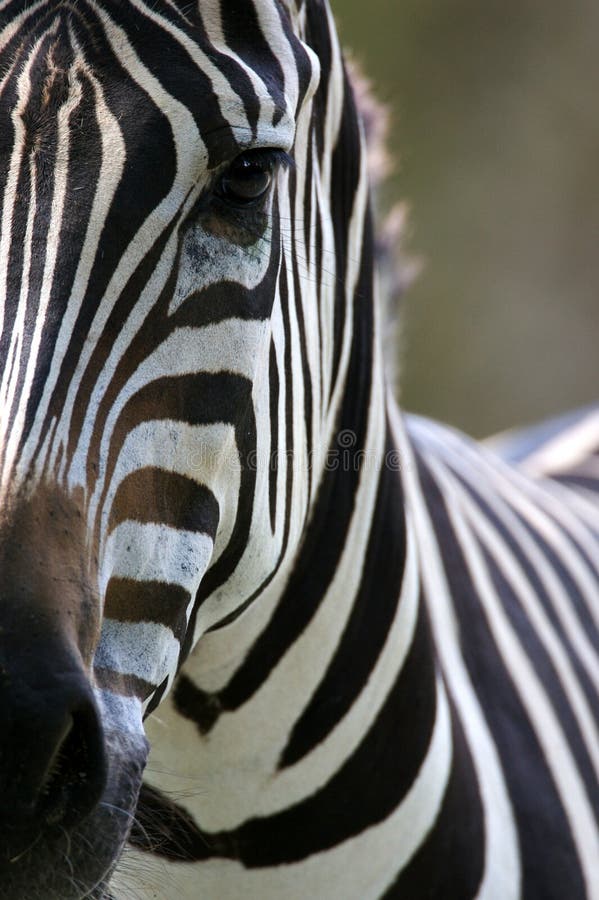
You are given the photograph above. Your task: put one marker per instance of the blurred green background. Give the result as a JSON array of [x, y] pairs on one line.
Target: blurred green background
[[495, 134]]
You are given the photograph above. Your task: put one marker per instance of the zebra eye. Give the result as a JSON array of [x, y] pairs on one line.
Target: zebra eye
[[249, 177]]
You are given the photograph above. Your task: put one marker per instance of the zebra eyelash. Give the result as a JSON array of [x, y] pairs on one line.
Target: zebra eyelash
[[274, 156]]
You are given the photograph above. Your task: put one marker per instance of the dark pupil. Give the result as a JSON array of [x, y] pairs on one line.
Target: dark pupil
[[246, 180]]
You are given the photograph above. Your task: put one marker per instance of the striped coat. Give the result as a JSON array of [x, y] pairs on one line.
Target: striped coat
[[360, 650]]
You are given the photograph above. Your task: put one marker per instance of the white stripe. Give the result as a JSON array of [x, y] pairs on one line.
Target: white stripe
[[567, 449], [210, 13], [121, 717], [227, 346], [155, 552], [147, 650]]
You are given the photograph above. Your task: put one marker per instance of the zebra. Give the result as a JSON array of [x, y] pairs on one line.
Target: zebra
[[355, 652]]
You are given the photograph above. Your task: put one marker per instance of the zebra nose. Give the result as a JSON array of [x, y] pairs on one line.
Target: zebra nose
[[52, 757]]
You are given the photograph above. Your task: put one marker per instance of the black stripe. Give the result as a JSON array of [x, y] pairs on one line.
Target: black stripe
[[231, 402], [318, 37], [231, 617], [273, 383], [128, 600], [119, 683], [580, 482], [156, 495], [193, 703], [345, 184], [200, 399], [156, 698], [161, 827], [303, 65], [373, 611]]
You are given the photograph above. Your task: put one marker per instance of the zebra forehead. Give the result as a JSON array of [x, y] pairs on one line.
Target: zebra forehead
[[242, 26], [241, 69]]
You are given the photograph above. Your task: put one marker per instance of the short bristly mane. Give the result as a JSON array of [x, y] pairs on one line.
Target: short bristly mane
[[396, 268]]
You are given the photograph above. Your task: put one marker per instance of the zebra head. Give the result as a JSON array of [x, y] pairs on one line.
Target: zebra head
[[177, 193]]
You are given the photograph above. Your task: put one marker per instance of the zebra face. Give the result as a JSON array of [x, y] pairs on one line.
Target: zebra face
[[143, 187]]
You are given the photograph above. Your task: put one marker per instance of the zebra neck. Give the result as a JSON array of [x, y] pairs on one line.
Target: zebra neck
[[335, 727]]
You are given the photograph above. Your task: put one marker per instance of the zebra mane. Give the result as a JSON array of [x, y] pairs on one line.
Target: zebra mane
[[396, 269]]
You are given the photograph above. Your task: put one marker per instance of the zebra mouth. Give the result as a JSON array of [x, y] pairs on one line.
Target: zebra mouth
[[65, 845], [63, 863]]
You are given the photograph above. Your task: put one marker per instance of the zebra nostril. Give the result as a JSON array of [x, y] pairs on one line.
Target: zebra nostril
[[51, 803], [76, 774]]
